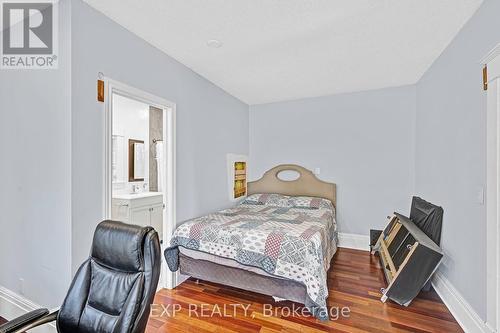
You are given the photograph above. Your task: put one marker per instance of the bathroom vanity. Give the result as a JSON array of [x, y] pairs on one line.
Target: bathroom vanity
[[144, 208]]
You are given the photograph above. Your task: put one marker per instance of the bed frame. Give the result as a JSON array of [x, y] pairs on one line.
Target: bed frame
[[306, 184]]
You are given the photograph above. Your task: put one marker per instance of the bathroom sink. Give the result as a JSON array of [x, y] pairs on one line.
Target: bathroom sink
[[128, 196]]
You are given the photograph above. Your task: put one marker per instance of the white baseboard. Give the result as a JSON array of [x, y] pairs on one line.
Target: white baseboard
[[354, 241], [179, 278], [465, 315], [13, 305]]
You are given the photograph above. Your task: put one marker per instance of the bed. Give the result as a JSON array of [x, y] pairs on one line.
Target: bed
[[279, 241]]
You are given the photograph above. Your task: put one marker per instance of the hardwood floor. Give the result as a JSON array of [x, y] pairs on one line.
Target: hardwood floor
[[354, 282], [2, 320]]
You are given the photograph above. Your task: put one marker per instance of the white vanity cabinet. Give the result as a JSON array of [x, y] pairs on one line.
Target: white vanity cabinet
[[145, 209]]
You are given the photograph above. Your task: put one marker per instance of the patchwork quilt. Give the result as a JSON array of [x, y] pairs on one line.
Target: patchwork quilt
[[288, 237]]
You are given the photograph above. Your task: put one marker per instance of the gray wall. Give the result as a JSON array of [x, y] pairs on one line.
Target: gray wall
[[451, 150], [210, 123], [35, 196], [364, 142]]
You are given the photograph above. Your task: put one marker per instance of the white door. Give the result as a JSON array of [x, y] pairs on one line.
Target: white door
[[492, 60]]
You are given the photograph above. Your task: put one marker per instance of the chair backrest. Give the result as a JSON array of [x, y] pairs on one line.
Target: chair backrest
[[112, 291]]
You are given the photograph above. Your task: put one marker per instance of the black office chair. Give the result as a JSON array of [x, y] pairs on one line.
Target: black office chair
[[112, 291]]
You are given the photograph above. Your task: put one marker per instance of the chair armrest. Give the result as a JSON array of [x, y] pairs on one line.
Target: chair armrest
[[29, 320]]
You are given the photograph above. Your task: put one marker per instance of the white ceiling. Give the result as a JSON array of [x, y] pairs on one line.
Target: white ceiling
[[277, 50]]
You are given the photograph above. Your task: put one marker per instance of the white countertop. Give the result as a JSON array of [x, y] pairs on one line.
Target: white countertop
[[131, 196]]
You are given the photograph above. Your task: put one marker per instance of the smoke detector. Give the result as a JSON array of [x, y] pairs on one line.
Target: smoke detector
[[214, 43]]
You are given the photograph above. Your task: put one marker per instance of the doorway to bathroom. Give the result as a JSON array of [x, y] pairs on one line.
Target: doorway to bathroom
[[140, 162]]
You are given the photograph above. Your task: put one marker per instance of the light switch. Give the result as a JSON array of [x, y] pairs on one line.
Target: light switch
[[480, 195], [317, 171], [21, 286]]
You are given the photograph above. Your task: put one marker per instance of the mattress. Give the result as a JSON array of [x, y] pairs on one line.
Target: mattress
[[279, 237]]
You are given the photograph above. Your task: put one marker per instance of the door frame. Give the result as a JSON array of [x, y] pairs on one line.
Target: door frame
[[169, 135], [492, 63]]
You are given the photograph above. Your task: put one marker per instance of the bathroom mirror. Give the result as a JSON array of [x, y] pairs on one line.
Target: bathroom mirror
[[136, 160]]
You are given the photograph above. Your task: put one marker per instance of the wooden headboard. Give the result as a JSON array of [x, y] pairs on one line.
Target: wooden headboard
[[307, 184]]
